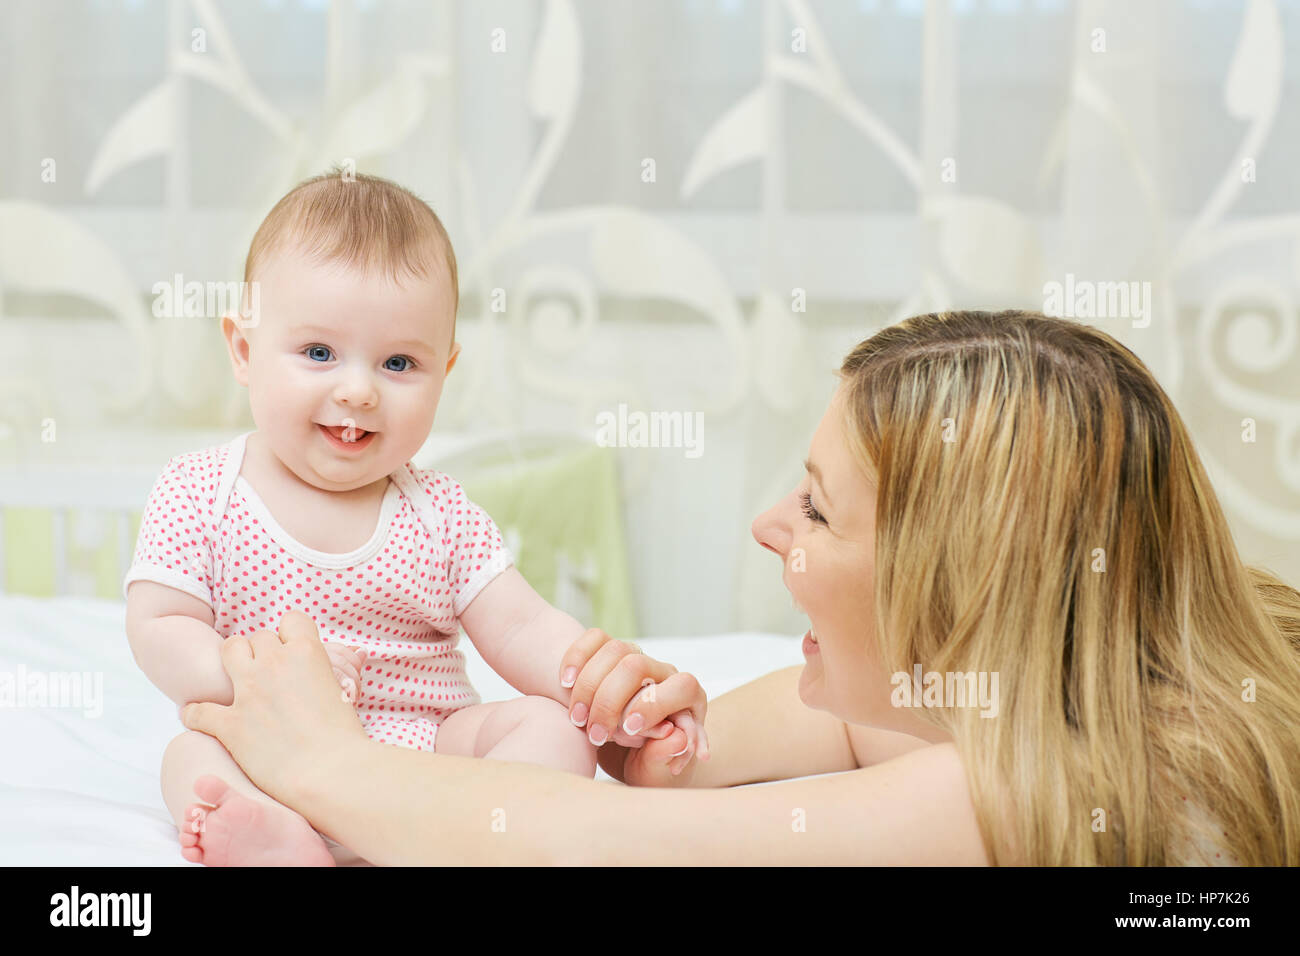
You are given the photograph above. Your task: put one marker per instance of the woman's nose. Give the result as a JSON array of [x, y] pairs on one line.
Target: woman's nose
[[772, 531]]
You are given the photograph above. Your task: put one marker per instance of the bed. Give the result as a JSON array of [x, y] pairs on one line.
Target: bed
[[80, 788]]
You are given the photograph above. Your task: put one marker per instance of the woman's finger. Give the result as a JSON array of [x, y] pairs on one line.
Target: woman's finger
[[659, 731], [263, 642], [592, 674], [578, 654], [679, 691], [298, 627], [287, 703], [639, 720], [615, 675], [236, 654], [207, 717]]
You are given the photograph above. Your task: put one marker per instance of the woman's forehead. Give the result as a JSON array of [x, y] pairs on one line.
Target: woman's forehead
[[842, 477]]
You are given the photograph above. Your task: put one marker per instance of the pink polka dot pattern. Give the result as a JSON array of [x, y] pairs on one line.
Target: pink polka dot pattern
[[399, 597]]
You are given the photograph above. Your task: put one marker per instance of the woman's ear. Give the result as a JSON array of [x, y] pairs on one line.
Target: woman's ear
[[237, 345], [455, 353]]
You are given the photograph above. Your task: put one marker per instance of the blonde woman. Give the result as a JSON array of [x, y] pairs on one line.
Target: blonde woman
[[988, 493]]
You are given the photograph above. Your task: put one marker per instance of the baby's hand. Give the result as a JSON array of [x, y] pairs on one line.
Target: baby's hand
[[348, 663], [653, 715]]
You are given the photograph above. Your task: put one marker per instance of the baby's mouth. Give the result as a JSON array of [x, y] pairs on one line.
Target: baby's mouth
[[345, 433]]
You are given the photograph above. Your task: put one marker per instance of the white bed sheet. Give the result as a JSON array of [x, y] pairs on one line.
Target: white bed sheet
[[79, 790]]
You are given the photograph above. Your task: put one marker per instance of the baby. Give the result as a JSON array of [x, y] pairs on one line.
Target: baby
[[344, 351]]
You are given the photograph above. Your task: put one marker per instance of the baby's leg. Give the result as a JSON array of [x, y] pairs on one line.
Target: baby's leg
[[246, 827], [525, 730]]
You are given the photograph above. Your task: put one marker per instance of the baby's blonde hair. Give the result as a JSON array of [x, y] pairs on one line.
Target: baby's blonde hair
[[362, 221]]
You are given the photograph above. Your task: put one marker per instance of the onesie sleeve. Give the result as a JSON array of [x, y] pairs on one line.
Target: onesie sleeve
[[173, 546], [475, 551]]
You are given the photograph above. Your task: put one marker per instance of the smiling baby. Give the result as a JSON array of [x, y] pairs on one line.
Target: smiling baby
[[320, 510]]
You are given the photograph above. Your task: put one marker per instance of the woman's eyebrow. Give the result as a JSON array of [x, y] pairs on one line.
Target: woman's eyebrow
[[817, 477]]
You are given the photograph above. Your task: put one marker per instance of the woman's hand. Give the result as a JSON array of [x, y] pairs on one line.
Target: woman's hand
[[647, 719], [286, 718]]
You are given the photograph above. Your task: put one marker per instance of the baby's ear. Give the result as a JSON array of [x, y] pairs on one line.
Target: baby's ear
[[455, 353], [236, 344]]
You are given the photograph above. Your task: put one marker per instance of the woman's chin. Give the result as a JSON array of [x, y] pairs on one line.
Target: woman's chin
[[810, 686]]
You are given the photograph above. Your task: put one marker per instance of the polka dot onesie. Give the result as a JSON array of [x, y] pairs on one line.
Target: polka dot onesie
[[205, 531]]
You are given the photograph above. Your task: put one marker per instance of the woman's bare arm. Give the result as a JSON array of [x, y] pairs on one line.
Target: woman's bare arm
[[440, 810], [763, 731], [300, 743]]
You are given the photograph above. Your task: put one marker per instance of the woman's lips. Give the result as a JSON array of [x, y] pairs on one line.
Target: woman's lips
[[335, 436], [810, 638]]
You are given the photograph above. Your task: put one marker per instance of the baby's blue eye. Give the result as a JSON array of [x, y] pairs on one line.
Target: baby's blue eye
[[401, 358], [313, 350]]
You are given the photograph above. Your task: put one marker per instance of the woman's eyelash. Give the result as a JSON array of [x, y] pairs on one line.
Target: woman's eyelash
[[809, 511]]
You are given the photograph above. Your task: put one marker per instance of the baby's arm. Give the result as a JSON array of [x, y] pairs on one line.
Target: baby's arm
[[172, 637], [520, 635]]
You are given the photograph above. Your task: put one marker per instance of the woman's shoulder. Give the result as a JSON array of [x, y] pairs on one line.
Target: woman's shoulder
[[873, 745], [934, 777]]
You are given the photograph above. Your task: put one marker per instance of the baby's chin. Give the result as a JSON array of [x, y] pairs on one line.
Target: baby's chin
[[329, 474]]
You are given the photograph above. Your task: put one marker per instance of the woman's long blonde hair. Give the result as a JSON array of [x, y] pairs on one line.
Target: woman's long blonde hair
[[1042, 513]]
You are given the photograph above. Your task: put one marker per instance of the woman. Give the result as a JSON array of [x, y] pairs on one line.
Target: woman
[[1002, 495]]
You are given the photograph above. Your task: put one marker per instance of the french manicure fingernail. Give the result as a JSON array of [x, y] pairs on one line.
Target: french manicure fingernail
[[568, 677], [597, 734], [633, 724], [578, 716], [683, 750]]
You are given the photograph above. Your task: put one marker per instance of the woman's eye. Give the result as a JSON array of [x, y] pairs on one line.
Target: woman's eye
[[809, 511], [406, 363], [314, 352]]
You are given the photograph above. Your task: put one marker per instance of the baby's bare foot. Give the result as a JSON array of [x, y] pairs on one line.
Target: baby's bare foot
[[240, 831]]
